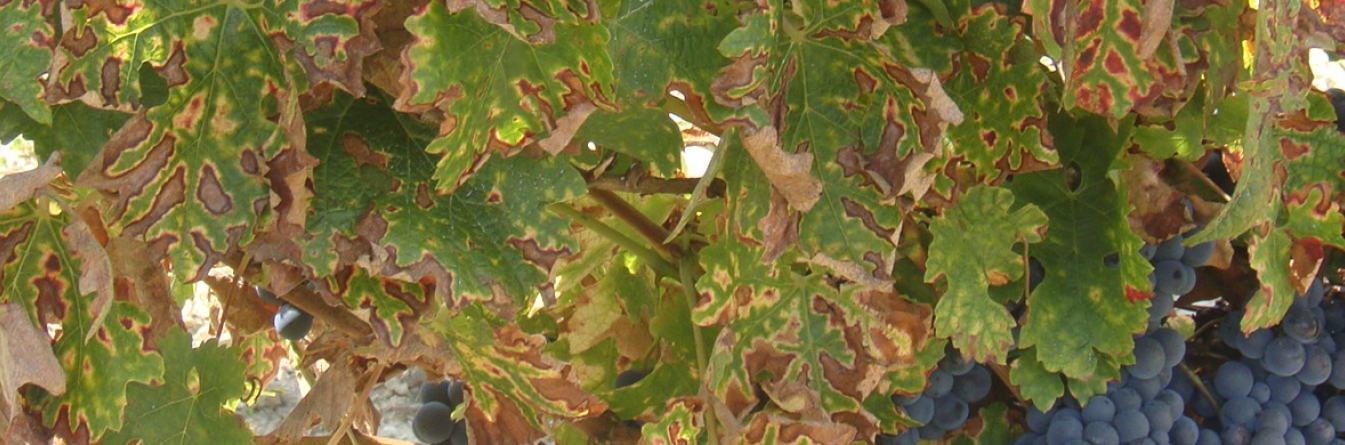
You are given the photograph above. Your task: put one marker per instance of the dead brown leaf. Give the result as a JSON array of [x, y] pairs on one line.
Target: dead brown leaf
[[326, 403], [25, 357], [1154, 24], [19, 187], [789, 173], [95, 270]]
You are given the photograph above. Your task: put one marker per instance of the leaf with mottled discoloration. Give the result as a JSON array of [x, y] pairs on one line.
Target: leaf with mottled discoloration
[[1096, 46], [511, 384], [823, 347], [374, 190], [681, 423], [1081, 311], [659, 46], [26, 38], [972, 248], [394, 306], [519, 93], [333, 38], [99, 370], [187, 173]]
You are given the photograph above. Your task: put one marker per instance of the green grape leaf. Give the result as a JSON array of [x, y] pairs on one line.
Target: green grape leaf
[[669, 380], [1081, 311], [995, 428], [98, 371], [201, 154], [658, 46], [682, 423], [188, 404], [395, 306], [1179, 136], [807, 344], [972, 248], [1100, 58], [333, 38], [1001, 93], [373, 185], [1268, 256], [512, 384], [521, 93], [1034, 382], [643, 133], [76, 130], [25, 45]]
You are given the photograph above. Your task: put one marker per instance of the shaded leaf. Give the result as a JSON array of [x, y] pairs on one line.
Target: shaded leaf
[[1035, 383], [189, 402], [1081, 311], [659, 46], [26, 38]]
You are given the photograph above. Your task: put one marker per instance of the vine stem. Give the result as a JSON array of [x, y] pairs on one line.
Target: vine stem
[[628, 213], [660, 264], [687, 274]]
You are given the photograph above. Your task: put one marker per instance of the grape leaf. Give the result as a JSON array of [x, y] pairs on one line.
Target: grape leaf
[[668, 381], [395, 305], [995, 428], [1080, 311], [25, 358], [512, 385], [659, 46], [189, 402], [681, 423], [333, 38], [98, 371], [1000, 91], [644, 133], [25, 44], [373, 185], [519, 94], [972, 248], [1036, 384], [1096, 47], [838, 127], [38, 271], [808, 345], [201, 154]]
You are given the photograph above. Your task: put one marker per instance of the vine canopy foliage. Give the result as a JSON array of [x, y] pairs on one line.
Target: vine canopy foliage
[[495, 190]]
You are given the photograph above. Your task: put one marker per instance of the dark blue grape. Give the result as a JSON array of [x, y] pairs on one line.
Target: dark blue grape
[[1283, 389], [1199, 254], [1260, 392], [1171, 249], [1173, 278], [921, 411], [1273, 420], [1284, 356], [953, 362], [1149, 358], [1100, 408], [1147, 388], [1253, 346], [1334, 311], [1233, 379], [455, 396], [1294, 437], [1319, 432], [1303, 323], [1038, 420], [1240, 411], [433, 423], [1127, 399], [1184, 432], [292, 323], [950, 412], [1268, 438], [1174, 346], [434, 392], [1147, 251], [627, 378], [1131, 425], [1333, 410], [267, 296], [1305, 408], [974, 385], [1159, 415], [1316, 366], [460, 435], [1236, 435], [1062, 429], [1101, 433], [940, 383], [1209, 437]]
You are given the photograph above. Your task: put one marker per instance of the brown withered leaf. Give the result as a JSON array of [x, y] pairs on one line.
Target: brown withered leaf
[[95, 270], [19, 187], [789, 173], [779, 430], [328, 401], [25, 357]]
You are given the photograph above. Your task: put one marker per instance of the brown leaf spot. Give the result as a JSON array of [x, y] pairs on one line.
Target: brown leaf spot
[[533, 253], [171, 194], [1090, 18], [213, 196], [1129, 25], [1306, 257], [111, 79], [789, 173], [172, 70], [115, 13], [191, 114], [359, 149], [1115, 64], [867, 83], [79, 41]]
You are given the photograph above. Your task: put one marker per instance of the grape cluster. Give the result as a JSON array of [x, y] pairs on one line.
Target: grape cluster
[[291, 322], [433, 423], [1140, 409], [1274, 394], [954, 386], [1174, 272]]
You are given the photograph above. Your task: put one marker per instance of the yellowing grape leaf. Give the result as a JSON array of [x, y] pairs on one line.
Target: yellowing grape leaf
[[817, 350], [518, 93], [188, 403], [972, 248], [1080, 312], [98, 371], [187, 173], [511, 383]]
